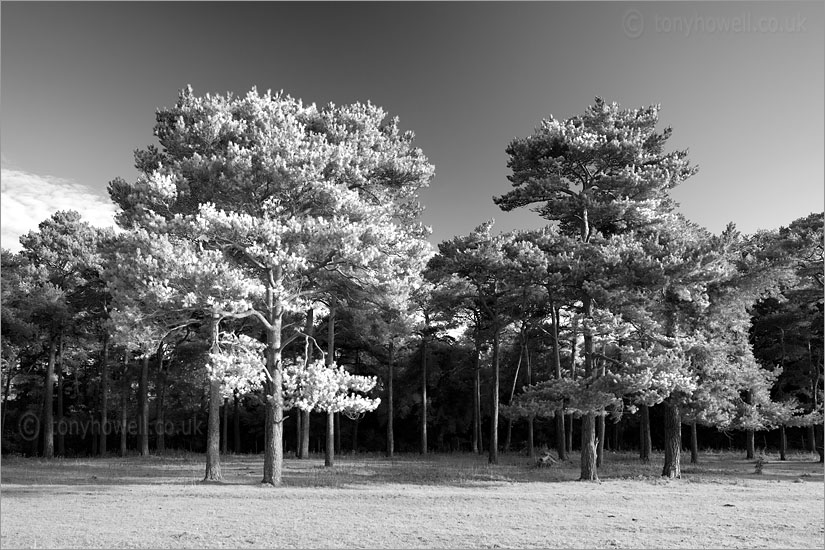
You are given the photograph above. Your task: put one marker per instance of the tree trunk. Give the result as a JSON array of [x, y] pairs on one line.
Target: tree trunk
[[48, 396], [355, 436], [213, 436], [573, 351], [124, 392], [531, 445], [329, 449], [337, 433], [783, 443], [61, 427], [673, 441], [303, 416], [811, 439], [588, 423], [508, 438], [143, 399], [305, 421], [390, 434], [589, 470], [750, 445], [819, 441], [600, 435], [298, 432], [508, 435], [694, 444], [560, 436], [478, 446], [561, 439], [424, 395], [530, 426], [225, 427], [493, 456], [274, 413], [569, 433], [9, 375], [646, 443], [236, 425], [160, 417]]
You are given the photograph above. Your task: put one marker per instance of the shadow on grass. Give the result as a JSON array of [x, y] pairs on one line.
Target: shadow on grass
[[25, 476]]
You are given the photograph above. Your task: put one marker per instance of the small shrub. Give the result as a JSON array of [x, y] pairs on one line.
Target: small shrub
[[759, 464]]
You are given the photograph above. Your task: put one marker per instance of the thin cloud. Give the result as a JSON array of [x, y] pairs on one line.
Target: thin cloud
[[28, 199]]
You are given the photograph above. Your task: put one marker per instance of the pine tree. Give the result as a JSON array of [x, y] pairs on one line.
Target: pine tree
[[288, 194], [598, 175]]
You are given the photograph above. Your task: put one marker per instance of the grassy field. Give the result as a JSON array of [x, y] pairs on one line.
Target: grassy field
[[440, 501]]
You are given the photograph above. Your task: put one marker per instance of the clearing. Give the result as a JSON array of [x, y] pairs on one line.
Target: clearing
[[437, 501]]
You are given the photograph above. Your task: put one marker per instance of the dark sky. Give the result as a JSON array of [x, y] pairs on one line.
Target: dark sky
[[742, 85]]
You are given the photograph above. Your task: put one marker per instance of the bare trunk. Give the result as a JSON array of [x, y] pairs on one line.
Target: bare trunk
[[477, 438], [783, 443], [160, 428], [298, 432], [750, 444], [673, 440], [329, 449], [305, 421], [143, 399], [493, 456], [355, 436], [508, 438], [48, 396], [589, 456], [124, 392], [390, 434], [600, 434], [569, 433], [561, 447], [236, 425], [424, 396], [213, 436], [810, 441], [560, 436], [61, 433], [646, 444], [589, 471], [337, 433], [225, 427], [104, 395], [573, 352], [6, 390], [297, 413], [530, 427], [303, 416], [694, 444], [531, 445], [274, 413]]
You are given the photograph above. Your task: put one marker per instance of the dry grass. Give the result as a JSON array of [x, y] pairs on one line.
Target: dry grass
[[440, 501]]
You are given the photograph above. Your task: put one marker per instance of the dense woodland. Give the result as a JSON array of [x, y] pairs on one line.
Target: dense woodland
[[270, 289]]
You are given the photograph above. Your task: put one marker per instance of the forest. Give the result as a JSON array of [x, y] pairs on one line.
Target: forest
[[270, 289]]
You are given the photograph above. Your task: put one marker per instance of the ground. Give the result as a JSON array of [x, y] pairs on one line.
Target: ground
[[411, 502]]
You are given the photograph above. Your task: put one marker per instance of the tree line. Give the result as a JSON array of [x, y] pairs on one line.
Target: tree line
[[270, 263]]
